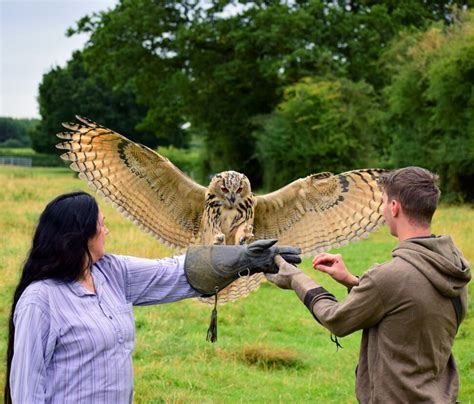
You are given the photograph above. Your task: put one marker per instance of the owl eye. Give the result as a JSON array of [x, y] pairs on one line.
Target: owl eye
[[224, 189], [239, 190]]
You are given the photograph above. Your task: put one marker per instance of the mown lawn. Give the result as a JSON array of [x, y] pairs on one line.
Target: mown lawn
[[269, 349]]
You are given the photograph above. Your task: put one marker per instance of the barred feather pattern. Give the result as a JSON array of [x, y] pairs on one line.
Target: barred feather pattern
[[322, 211], [315, 213], [241, 287], [143, 185]]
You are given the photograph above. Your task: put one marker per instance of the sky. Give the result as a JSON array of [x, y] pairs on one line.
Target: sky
[[32, 41]]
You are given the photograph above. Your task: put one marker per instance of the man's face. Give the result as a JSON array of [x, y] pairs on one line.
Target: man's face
[[387, 215]]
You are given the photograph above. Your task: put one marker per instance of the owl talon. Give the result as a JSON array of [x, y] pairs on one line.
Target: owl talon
[[246, 238], [244, 235], [219, 239]]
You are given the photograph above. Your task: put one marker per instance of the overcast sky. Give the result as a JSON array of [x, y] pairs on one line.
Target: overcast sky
[[32, 41]]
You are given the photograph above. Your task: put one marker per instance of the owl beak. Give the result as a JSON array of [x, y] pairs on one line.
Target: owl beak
[[231, 198]]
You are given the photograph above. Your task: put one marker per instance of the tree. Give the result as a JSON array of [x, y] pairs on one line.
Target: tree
[[322, 125], [15, 132], [431, 103], [65, 92], [358, 32], [213, 72], [192, 61]]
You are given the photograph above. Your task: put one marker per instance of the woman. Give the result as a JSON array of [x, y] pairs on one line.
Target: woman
[[71, 329]]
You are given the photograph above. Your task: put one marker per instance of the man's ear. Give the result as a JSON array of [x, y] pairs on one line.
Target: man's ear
[[395, 207]]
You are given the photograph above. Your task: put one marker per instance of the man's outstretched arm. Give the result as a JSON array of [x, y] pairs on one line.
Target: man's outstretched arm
[[362, 308]]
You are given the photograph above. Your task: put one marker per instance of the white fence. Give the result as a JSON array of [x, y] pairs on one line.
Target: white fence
[[16, 161]]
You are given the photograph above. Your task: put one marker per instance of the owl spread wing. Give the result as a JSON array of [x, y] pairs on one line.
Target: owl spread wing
[[321, 211], [144, 186]]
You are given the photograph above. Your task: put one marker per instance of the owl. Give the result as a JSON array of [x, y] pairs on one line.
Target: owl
[[315, 213], [228, 210]]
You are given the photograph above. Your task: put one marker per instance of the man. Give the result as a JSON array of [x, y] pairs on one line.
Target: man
[[409, 308]]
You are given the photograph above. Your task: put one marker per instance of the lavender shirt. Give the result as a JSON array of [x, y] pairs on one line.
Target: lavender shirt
[[75, 346]]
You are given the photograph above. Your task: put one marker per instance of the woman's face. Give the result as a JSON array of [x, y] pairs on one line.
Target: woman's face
[[97, 243]]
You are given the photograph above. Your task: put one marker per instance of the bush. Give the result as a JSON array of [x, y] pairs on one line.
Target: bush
[[15, 132], [430, 104], [322, 125], [12, 143], [187, 160]]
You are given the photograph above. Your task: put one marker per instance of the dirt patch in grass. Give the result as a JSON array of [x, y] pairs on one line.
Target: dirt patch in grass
[[270, 357]]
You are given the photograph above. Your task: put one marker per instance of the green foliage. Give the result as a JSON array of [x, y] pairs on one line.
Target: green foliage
[[357, 32], [65, 92], [431, 103], [241, 65], [187, 160], [191, 61], [229, 75], [214, 72], [15, 132], [134, 47], [322, 125]]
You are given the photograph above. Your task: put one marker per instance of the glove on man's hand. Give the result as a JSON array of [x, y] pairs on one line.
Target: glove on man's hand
[[286, 275], [211, 267], [290, 277]]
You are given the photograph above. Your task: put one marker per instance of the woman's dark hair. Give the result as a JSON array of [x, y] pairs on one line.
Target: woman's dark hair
[[59, 251]]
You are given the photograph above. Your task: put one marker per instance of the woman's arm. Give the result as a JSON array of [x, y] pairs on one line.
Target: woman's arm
[[32, 346], [149, 281]]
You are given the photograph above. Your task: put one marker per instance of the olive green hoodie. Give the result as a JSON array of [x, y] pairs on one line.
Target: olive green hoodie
[[406, 310]]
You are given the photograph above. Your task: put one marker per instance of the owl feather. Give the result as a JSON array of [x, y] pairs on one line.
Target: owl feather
[[315, 213]]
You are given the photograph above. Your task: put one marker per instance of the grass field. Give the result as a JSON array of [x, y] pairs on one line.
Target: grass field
[[269, 349]]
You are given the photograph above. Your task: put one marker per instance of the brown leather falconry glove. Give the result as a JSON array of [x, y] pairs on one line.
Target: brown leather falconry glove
[[210, 269]]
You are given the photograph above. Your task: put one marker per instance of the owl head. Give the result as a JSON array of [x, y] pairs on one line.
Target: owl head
[[230, 187]]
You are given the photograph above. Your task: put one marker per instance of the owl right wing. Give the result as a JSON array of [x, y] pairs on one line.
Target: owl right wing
[[321, 211], [143, 185]]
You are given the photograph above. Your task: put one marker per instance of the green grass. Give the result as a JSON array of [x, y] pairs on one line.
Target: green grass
[[269, 348]]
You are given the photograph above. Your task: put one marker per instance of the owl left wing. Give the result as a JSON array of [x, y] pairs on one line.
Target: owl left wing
[[143, 185], [321, 211]]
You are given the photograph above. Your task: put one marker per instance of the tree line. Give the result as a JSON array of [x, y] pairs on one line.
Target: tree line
[[279, 89], [16, 133]]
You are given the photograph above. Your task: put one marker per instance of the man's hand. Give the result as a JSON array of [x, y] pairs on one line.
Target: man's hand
[[334, 266], [290, 277], [283, 279]]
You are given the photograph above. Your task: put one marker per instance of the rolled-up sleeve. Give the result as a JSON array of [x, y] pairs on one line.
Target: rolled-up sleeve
[[149, 281], [33, 347]]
